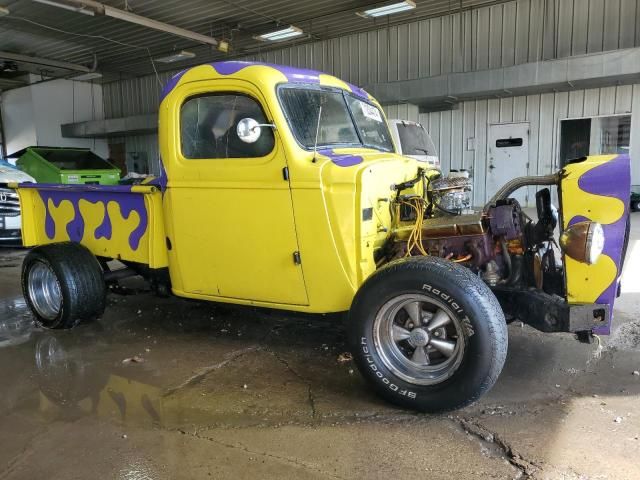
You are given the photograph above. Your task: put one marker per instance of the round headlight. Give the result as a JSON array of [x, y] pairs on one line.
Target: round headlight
[[583, 241]]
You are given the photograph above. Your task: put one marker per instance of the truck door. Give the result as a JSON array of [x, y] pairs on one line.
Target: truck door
[[228, 203]]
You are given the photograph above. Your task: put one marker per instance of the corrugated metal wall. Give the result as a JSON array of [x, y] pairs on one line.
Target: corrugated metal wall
[[451, 130], [515, 32], [511, 33]]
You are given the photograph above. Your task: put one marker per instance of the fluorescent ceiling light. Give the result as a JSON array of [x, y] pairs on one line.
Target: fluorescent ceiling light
[[85, 77], [71, 8], [280, 35], [389, 9], [176, 57]]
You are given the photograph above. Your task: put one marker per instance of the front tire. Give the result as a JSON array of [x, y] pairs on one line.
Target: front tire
[[63, 285], [428, 334]]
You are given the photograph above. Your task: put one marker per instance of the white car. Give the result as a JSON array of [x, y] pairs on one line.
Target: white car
[[413, 140], [9, 204]]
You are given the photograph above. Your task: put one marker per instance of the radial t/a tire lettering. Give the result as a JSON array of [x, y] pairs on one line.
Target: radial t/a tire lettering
[[427, 334]]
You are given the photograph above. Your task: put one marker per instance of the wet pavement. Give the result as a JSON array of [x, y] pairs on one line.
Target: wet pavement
[[165, 388]]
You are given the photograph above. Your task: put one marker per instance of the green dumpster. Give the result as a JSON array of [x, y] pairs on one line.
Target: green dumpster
[[66, 165]]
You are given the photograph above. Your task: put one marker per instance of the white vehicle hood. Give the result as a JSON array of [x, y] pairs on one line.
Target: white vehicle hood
[[8, 174]]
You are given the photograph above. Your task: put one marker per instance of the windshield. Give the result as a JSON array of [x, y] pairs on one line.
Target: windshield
[[415, 140], [350, 122]]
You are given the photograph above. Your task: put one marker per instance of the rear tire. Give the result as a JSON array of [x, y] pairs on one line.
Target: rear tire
[[427, 334], [63, 285]]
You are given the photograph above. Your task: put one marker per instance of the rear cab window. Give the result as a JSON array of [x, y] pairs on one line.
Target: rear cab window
[[208, 127]]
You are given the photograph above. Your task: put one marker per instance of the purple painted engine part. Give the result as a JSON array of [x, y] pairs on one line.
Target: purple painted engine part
[[479, 246], [505, 222]]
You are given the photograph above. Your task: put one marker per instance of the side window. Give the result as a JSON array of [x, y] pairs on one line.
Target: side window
[[208, 127]]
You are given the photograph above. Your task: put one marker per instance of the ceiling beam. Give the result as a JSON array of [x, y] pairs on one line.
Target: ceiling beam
[[102, 9], [17, 57]]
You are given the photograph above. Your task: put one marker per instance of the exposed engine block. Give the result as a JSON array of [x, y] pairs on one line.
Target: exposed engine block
[[452, 194]]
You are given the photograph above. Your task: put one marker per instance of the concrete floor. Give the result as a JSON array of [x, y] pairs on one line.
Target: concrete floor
[[225, 392]]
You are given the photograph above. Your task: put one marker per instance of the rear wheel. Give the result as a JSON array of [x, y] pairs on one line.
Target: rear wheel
[[63, 285], [428, 334]]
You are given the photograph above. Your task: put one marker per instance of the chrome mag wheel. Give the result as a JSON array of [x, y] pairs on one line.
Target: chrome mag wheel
[[44, 291], [419, 339]]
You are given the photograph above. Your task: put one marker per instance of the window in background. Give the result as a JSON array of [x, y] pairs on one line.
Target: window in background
[[594, 136]]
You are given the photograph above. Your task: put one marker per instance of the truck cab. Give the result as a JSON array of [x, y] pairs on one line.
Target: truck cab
[[281, 188]]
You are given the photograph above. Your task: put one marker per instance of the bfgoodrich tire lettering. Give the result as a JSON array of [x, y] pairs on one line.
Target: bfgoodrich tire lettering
[[395, 349], [63, 285]]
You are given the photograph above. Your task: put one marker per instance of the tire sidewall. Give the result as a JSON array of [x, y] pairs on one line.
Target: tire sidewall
[[79, 276], [33, 258], [479, 342]]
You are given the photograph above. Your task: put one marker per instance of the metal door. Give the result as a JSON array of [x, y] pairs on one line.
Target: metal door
[[508, 157]]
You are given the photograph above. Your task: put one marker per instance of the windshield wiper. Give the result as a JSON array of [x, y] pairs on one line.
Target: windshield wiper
[[426, 152]]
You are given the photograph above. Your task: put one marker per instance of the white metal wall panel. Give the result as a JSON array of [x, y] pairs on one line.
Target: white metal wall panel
[[595, 26], [402, 111], [495, 36], [533, 117], [454, 132], [479, 166], [565, 27], [579, 27], [446, 45], [468, 135], [624, 96], [612, 25], [607, 102], [435, 47], [508, 42], [628, 20]]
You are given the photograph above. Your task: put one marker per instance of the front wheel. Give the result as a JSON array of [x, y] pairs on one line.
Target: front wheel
[[428, 334]]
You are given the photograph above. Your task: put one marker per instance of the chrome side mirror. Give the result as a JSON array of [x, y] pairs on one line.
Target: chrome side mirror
[[249, 129]]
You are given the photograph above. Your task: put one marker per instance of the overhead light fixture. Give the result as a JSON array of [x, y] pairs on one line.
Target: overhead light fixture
[[176, 57], [279, 35], [4, 11], [223, 46], [85, 77], [396, 7], [64, 6]]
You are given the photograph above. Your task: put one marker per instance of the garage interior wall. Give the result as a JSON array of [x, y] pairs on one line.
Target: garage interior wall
[[505, 34], [33, 114], [451, 130]]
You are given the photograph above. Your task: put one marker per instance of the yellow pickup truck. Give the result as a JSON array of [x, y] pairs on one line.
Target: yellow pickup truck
[[280, 188]]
